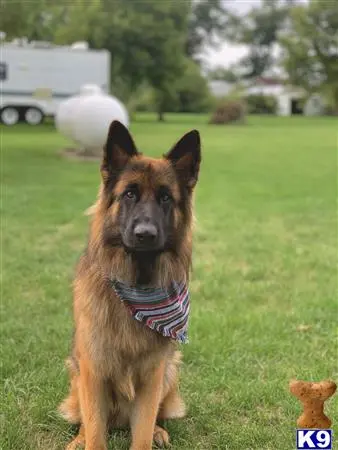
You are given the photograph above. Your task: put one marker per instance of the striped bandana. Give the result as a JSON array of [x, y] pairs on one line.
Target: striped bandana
[[163, 310]]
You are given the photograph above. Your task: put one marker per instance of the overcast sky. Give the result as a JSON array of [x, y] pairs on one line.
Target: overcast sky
[[227, 54]]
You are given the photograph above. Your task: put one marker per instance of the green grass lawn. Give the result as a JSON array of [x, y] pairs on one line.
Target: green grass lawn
[[264, 285]]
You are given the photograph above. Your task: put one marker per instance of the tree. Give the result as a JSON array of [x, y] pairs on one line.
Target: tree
[[259, 30], [229, 75], [311, 48], [189, 93], [192, 89], [146, 40], [26, 19], [207, 20]]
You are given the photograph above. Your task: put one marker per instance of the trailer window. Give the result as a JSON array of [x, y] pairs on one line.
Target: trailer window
[[3, 71]]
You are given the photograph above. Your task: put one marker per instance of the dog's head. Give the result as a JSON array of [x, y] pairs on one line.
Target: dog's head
[[145, 202]]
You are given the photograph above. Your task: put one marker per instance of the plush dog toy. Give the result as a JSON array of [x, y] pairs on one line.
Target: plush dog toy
[[313, 396]]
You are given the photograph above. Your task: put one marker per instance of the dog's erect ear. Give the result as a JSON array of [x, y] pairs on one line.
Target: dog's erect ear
[[119, 148], [186, 157]]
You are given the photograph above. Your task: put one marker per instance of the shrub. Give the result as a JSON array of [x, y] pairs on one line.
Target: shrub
[[229, 111], [261, 104], [330, 110]]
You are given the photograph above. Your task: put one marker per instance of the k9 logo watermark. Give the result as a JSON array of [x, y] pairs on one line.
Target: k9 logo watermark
[[314, 439]]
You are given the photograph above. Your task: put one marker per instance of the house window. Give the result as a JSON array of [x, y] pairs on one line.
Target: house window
[[3, 71]]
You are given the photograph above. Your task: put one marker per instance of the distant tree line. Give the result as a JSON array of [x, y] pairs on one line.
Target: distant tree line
[[156, 46], [307, 34], [153, 44]]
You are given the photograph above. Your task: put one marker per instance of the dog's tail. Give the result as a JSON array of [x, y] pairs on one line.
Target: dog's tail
[[70, 407]]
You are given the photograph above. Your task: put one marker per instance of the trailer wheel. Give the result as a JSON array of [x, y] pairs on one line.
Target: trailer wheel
[[9, 115], [33, 116]]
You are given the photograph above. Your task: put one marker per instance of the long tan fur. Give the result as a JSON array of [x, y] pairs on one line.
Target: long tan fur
[[121, 372]]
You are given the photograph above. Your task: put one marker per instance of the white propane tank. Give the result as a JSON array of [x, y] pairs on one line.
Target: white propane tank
[[93, 117], [67, 109], [85, 118], [87, 89], [64, 115]]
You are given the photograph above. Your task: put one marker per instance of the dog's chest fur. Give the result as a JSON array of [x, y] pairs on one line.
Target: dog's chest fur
[[121, 348]]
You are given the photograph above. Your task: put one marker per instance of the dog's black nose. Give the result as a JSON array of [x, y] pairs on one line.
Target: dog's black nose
[[145, 233]]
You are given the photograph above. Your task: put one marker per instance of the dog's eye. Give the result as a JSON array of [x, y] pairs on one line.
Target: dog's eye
[[130, 194], [165, 198]]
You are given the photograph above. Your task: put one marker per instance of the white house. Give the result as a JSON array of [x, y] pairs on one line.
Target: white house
[[289, 98]]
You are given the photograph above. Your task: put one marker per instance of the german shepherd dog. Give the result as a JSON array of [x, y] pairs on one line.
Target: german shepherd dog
[[121, 371]]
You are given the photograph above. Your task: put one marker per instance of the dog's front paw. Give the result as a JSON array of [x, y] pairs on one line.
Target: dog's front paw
[[161, 437]]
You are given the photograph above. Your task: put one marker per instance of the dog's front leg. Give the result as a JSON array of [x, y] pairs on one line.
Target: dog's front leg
[[145, 410], [93, 407]]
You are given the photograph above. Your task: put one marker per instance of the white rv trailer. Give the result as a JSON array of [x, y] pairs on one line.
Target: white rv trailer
[[36, 76]]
